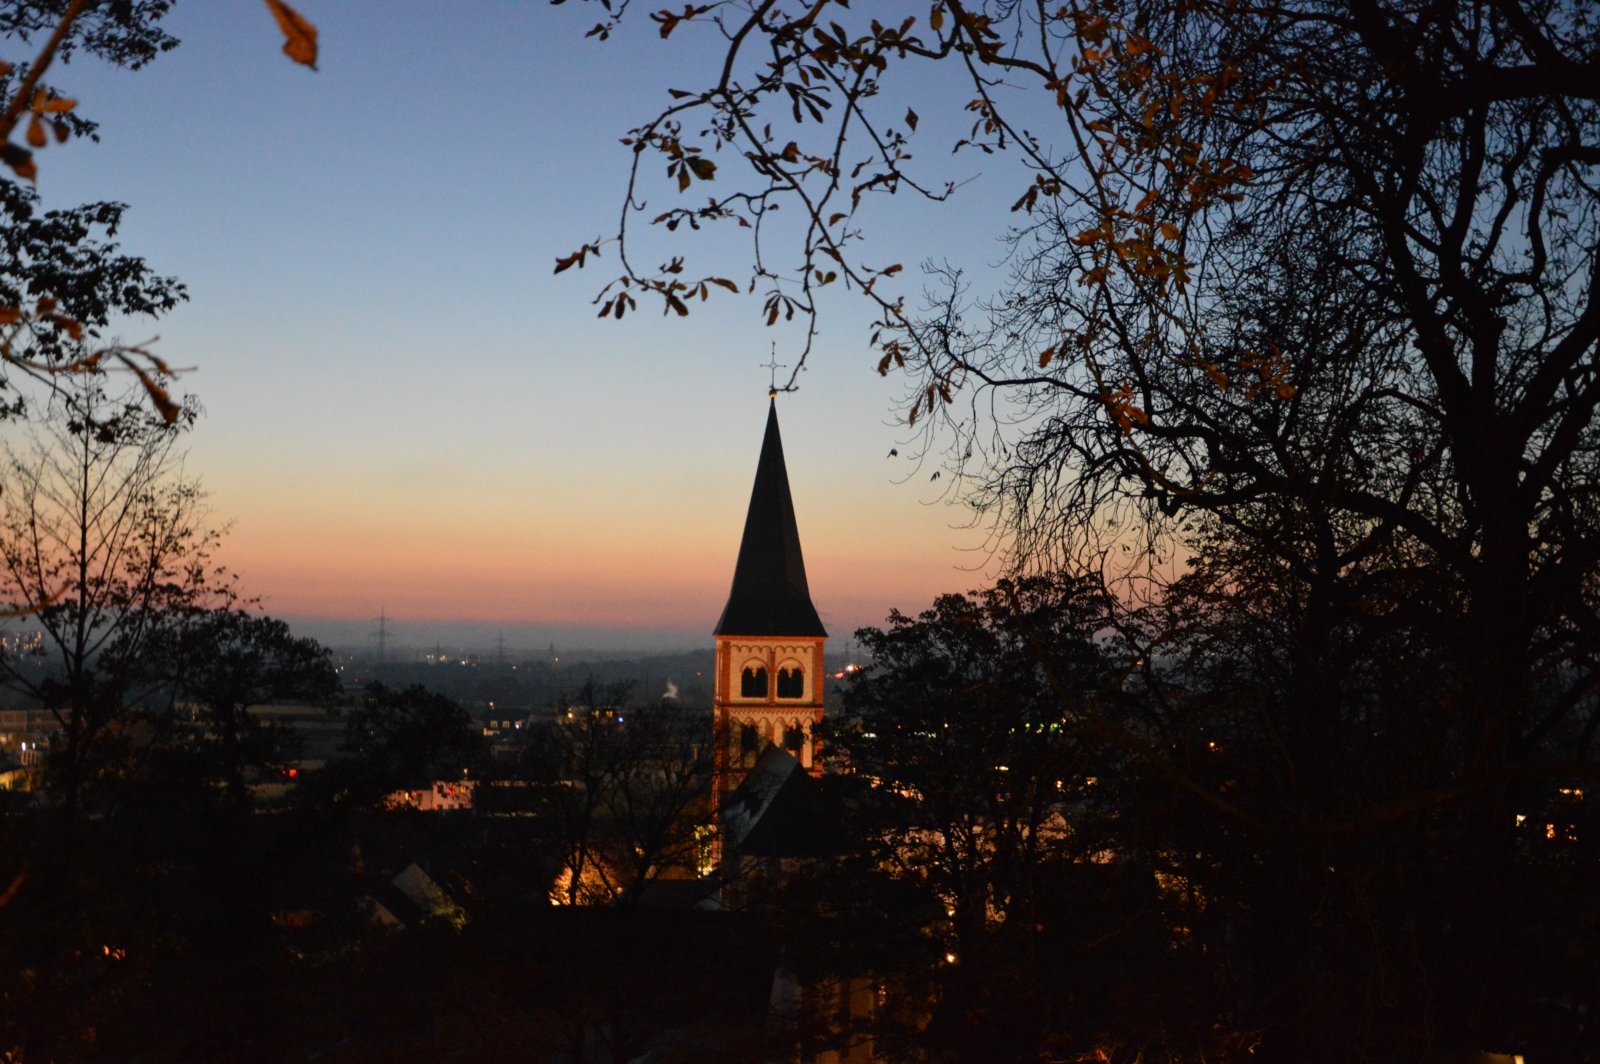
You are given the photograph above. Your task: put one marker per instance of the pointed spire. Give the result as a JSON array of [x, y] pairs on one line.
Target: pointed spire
[[769, 595]]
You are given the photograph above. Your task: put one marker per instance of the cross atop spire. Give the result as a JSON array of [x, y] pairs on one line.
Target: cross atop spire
[[774, 366]]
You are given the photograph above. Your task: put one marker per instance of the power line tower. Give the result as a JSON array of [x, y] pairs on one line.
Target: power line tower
[[500, 650], [382, 632]]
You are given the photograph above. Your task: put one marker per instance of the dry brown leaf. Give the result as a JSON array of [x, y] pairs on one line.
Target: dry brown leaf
[[158, 395], [299, 36], [20, 160]]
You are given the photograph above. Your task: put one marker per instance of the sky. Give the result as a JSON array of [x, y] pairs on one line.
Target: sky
[[406, 411]]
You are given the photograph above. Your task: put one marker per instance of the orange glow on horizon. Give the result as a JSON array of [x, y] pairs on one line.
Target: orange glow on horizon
[[637, 587], [550, 551]]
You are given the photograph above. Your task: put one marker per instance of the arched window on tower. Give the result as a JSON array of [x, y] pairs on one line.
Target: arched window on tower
[[753, 684], [794, 736], [791, 682], [749, 745]]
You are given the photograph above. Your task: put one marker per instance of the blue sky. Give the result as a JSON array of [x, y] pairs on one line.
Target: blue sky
[[406, 409]]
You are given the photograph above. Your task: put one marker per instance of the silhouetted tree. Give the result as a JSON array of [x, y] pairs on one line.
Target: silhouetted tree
[[991, 798], [399, 740], [62, 279], [222, 662], [100, 537], [625, 788], [60, 283], [1304, 291], [959, 713]]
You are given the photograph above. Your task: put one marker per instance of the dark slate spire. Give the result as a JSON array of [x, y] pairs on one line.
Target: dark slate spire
[[769, 595]]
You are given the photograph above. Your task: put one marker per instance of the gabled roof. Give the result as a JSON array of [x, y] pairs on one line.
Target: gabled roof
[[769, 595], [780, 811]]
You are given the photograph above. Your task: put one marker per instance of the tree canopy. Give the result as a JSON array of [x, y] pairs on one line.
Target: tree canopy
[[62, 280], [1296, 347]]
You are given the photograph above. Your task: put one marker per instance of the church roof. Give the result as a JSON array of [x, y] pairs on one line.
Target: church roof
[[780, 811], [769, 595]]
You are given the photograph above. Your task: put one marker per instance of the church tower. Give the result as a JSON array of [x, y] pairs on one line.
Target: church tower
[[769, 640]]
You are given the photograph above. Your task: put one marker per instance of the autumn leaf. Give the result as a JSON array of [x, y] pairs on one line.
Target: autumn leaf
[[566, 262], [1090, 236], [36, 134], [67, 325], [299, 36], [158, 395], [20, 160]]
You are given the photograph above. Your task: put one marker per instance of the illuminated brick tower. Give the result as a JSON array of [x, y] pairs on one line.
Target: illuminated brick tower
[[769, 640]]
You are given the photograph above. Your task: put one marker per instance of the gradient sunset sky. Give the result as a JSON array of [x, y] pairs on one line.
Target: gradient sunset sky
[[405, 409]]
